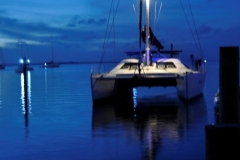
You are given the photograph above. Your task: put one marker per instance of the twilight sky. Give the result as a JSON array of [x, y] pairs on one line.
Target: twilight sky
[[78, 28]]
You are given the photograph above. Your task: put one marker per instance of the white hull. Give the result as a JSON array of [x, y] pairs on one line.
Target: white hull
[[188, 85], [191, 86], [101, 88]]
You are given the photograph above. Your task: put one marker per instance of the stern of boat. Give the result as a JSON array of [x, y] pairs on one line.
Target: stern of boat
[[104, 87], [191, 85]]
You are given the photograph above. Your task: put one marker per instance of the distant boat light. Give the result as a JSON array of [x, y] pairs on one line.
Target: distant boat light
[[205, 61], [45, 64], [28, 61]]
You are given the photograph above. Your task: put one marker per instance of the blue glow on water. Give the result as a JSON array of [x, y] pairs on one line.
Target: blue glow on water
[[62, 123], [134, 97]]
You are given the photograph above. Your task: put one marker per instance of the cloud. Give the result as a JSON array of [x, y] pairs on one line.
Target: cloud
[[39, 32], [203, 29], [77, 20]]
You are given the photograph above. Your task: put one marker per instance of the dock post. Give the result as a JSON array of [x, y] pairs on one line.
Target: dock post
[[223, 138], [228, 85]]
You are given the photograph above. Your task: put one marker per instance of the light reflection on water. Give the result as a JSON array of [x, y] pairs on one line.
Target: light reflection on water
[[26, 94], [134, 91], [156, 122]]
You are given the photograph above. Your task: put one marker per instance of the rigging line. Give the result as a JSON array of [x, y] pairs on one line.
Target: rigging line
[[112, 26], [196, 30], [160, 9], [114, 51], [155, 16], [104, 43], [140, 25], [135, 13], [154, 22], [189, 25], [134, 9], [155, 30]]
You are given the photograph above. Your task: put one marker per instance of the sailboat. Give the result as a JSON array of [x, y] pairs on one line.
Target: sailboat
[[50, 64], [2, 66], [20, 67], [151, 70], [23, 61]]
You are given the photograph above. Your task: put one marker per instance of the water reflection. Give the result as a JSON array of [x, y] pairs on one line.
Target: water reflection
[[26, 95], [46, 84], [150, 120]]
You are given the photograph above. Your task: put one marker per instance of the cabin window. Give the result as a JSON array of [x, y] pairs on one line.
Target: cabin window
[[130, 66], [125, 66], [163, 65], [171, 65]]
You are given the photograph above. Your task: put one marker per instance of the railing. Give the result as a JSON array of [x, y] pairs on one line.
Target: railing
[[104, 70]]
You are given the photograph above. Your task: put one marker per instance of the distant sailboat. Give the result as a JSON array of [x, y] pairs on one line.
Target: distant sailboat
[[20, 67], [2, 66], [50, 64]]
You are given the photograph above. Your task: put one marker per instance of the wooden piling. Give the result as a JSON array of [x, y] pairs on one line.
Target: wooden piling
[[222, 139], [228, 85]]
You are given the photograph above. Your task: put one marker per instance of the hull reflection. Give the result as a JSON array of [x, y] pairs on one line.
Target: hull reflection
[[149, 120]]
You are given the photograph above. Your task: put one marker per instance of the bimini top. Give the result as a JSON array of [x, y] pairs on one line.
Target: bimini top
[[131, 53], [170, 52]]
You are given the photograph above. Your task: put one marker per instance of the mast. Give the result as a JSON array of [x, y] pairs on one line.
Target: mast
[[147, 33], [1, 54], [52, 48]]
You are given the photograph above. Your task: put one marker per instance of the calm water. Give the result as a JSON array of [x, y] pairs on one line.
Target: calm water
[[60, 122]]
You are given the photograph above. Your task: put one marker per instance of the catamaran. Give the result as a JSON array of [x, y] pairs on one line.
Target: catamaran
[[151, 70]]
